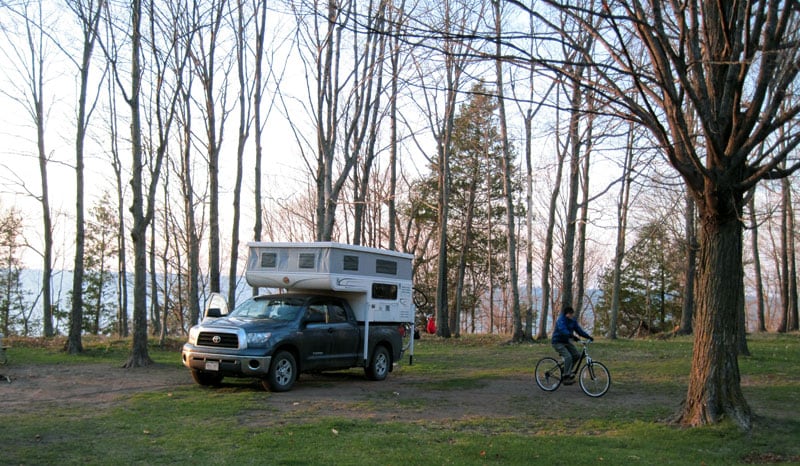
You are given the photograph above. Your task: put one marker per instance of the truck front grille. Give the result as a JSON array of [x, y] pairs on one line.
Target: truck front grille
[[218, 340]]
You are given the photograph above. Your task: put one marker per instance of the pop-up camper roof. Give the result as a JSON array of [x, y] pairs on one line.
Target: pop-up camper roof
[[325, 266]]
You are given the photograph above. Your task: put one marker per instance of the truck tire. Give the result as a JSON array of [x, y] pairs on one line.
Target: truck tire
[[282, 372], [379, 365], [206, 378]]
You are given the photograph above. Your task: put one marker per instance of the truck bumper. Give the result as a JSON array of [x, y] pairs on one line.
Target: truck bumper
[[226, 364]]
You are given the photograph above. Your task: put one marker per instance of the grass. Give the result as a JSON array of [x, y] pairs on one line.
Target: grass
[[232, 425]]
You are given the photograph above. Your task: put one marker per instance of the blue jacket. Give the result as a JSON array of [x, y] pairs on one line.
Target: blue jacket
[[564, 329]]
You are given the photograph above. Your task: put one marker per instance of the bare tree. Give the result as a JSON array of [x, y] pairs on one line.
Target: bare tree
[[622, 226], [122, 265], [508, 169], [88, 14], [759, 285], [453, 21], [30, 64], [260, 16], [245, 119], [205, 49], [547, 257], [718, 61]]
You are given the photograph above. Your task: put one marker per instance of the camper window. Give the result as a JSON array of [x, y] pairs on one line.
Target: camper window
[[306, 261], [269, 260], [384, 291], [350, 263], [386, 267]]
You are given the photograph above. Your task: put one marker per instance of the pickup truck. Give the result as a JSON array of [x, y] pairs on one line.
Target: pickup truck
[[276, 337]]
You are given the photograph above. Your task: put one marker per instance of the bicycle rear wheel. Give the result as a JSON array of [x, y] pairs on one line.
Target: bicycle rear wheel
[[548, 374], [595, 379]]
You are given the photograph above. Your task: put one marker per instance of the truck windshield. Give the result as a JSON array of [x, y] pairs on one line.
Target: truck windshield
[[269, 308]]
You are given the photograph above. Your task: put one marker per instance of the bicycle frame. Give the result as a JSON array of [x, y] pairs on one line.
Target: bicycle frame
[[583, 357]]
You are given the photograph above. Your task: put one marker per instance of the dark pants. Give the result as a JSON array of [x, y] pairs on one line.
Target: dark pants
[[569, 353]]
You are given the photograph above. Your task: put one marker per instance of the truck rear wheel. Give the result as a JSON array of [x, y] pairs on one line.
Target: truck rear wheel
[[282, 372], [378, 367]]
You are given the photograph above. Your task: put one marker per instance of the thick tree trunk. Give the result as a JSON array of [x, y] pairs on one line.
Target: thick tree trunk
[[714, 386]]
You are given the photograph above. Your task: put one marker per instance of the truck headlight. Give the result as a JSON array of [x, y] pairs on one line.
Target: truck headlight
[[258, 339], [193, 333]]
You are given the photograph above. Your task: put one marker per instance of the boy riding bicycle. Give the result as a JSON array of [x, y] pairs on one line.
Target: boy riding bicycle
[[566, 325]]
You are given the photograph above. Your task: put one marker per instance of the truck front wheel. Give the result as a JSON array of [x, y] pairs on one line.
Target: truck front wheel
[[282, 372], [378, 367], [206, 378]]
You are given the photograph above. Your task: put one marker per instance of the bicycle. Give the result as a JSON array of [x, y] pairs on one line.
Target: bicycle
[[594, 378]]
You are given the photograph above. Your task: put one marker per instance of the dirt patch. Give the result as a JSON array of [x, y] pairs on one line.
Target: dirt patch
[[33, 387], [343, 394]]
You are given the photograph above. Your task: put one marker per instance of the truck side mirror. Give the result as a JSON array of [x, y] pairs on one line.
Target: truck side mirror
[[216, 307]]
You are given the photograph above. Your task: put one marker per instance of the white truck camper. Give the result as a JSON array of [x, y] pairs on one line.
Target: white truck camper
[[376, 282]]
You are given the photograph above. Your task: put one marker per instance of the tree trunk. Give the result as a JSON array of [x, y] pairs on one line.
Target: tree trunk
[[155, 305], [622, 226], [244, 133], [580, 267], [568, 249], [529, 221], [466, 245], [783, 323], [714, 384], [47, 222], [192, 237], [258, 93], [139, 356], [395, 24], [687, 311], [122, 269], [792, 317], [760, 322], [508, 169], [541, 334], [442, 308]]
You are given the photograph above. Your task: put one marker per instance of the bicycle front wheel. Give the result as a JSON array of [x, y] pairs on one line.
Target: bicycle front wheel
[[595, 379], [548, 374]]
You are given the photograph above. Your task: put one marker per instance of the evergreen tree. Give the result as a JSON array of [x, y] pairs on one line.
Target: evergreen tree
[[101, 253], [651, 284], [12, 294], [476, 243]]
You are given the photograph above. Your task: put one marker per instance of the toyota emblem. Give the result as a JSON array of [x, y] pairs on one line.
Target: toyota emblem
[[216, 339]]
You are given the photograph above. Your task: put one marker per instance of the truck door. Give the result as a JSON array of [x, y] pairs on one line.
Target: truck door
[[316, 337], [344, 336]]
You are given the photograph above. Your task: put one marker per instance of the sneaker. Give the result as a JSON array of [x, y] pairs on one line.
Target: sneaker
[[568, 381]]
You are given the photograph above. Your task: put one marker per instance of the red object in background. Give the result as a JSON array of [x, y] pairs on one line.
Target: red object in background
[[431, 325]]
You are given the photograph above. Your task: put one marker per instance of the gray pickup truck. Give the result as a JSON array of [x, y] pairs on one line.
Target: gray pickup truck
[[276, 337]]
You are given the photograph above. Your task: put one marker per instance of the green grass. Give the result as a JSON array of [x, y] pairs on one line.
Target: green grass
[[236, 424]]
